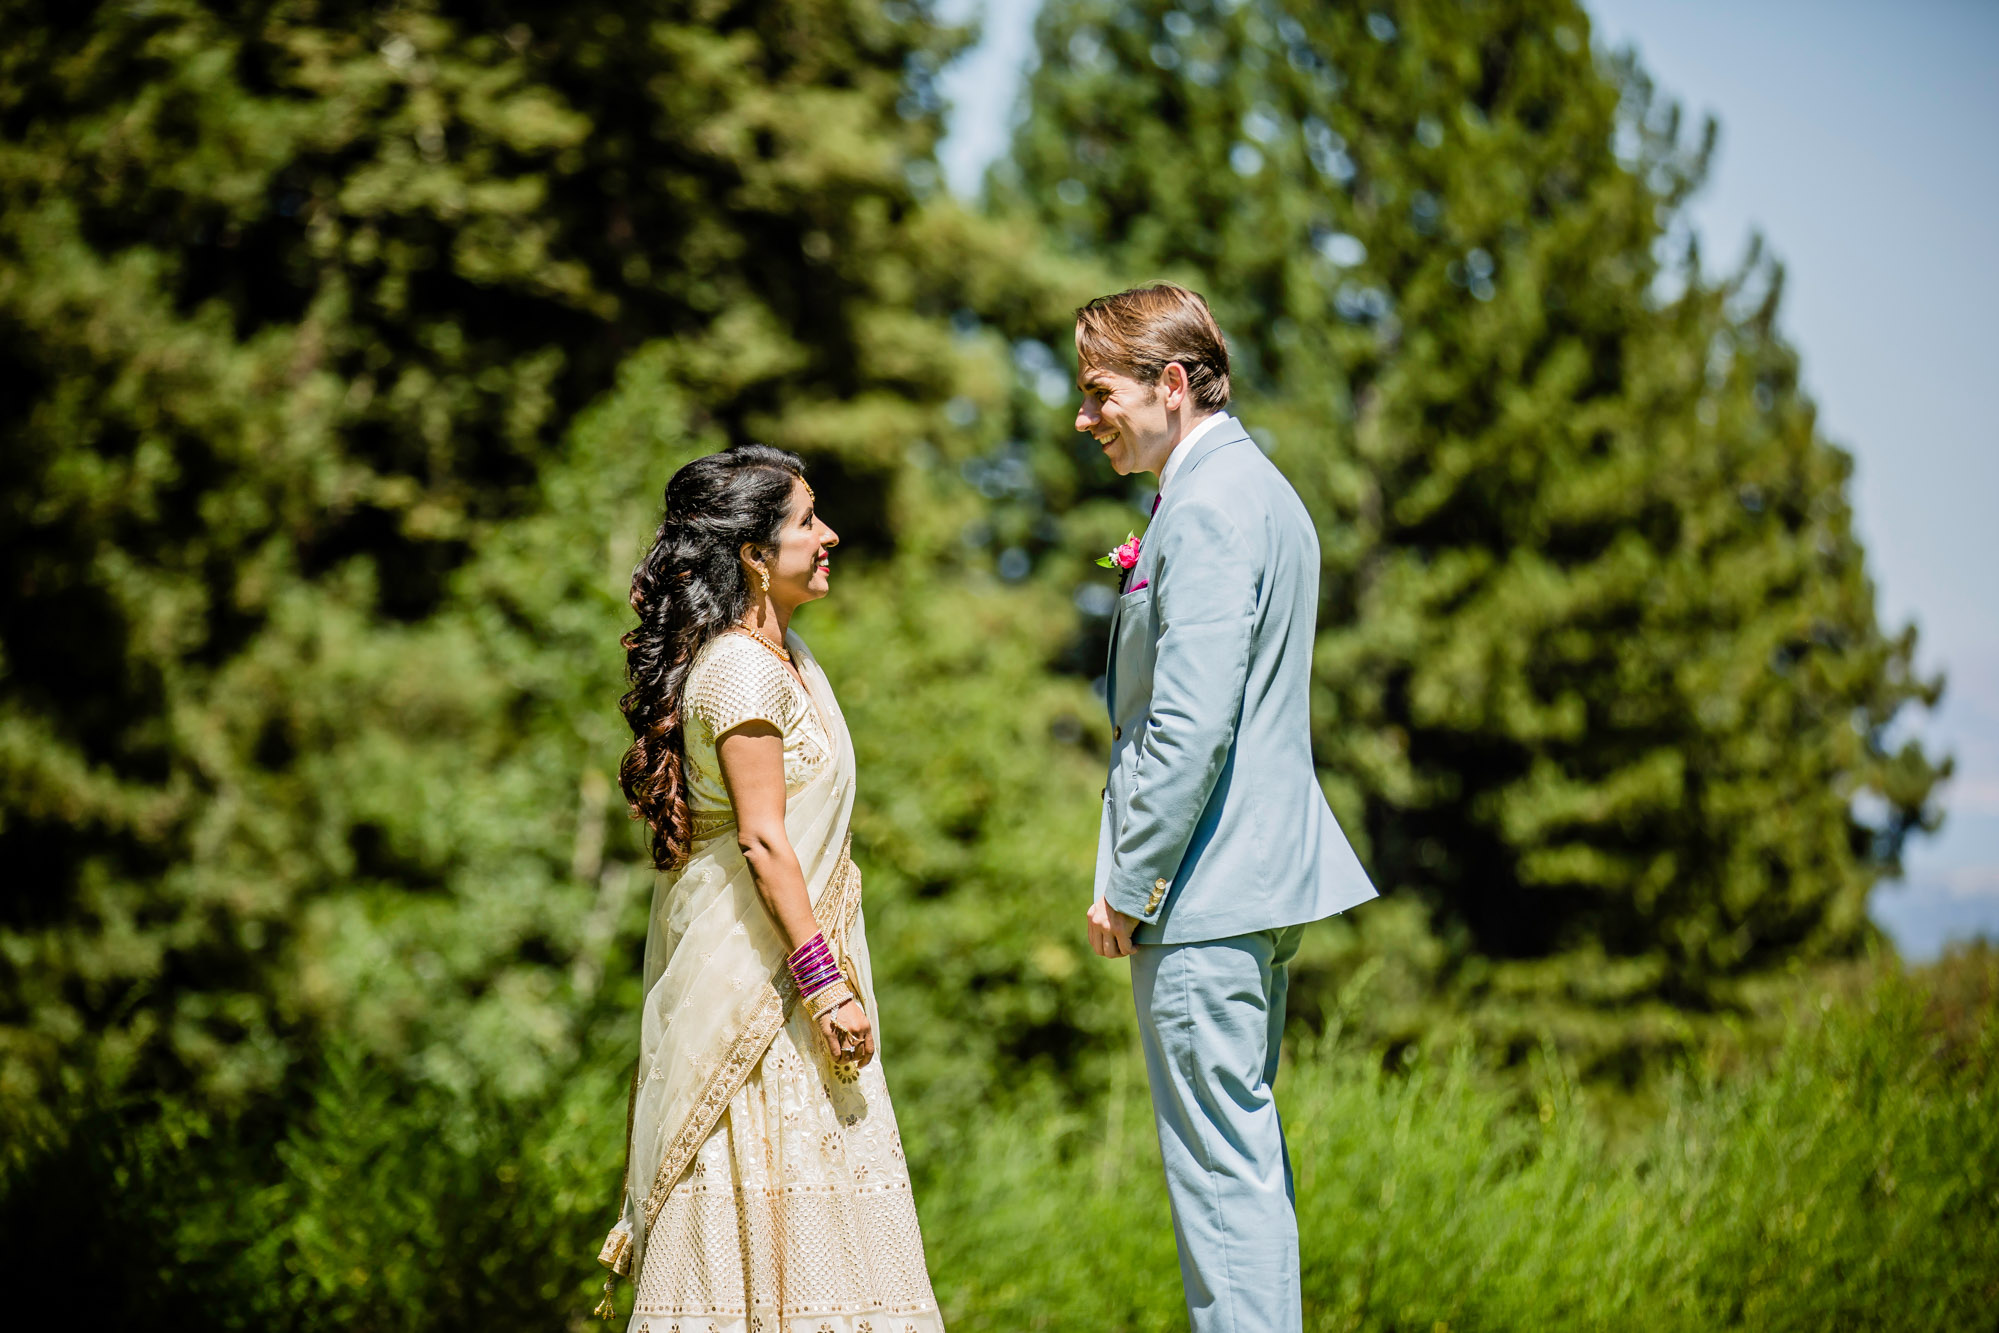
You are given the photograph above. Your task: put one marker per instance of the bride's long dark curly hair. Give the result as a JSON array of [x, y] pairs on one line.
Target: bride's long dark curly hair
[[690, 587]]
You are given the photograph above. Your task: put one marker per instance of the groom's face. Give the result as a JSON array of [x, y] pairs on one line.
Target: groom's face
[[1126, 417]]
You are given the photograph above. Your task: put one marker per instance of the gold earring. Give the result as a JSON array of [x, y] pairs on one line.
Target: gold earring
[[763, 572]]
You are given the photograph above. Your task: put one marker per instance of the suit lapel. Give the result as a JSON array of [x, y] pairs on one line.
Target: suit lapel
[[1225, 433], [1125, 580], [1110, 656]]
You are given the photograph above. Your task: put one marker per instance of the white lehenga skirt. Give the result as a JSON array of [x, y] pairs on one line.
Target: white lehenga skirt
[[796, 1215]]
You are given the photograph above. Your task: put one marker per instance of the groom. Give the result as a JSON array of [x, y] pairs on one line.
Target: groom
[[1216, 845]]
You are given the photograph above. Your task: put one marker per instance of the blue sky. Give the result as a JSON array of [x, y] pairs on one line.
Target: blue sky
[[1859, 139]]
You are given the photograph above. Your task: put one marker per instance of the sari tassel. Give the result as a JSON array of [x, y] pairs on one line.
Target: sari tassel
[[607, 1309]]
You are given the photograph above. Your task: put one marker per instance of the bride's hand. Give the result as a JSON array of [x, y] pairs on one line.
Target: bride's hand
[[848, 1033]]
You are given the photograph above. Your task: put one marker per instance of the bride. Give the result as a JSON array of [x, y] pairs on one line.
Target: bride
[[765, 1188]]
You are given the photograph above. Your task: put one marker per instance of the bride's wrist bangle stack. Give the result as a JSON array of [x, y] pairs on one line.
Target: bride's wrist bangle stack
[[818, 978]]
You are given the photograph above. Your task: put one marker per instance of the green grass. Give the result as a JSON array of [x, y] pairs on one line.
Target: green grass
[[1852, 1181], [1846, 1179]]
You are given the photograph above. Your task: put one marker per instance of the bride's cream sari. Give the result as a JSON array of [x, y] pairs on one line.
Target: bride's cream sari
[[773, 1175]]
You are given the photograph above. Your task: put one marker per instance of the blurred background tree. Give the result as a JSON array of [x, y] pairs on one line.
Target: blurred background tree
[[346, 348], [315, 568], [1600, 676], [301, 302]]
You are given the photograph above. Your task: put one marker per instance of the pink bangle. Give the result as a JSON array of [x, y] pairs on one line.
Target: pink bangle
[[812, 966]]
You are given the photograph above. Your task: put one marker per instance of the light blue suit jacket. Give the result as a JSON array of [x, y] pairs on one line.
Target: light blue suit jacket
[[1214, 824]]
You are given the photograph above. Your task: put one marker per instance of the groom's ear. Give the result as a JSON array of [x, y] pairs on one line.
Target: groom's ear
[[1174, 384]]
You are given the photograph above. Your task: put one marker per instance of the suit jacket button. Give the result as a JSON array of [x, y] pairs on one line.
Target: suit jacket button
[[1159, 884], [1117, 733]]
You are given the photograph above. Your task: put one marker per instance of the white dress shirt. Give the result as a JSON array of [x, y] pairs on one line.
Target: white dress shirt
[[1172, 463]]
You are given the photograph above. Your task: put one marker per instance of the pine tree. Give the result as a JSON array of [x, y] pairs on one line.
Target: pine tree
[[1600, 676], [347, 351]]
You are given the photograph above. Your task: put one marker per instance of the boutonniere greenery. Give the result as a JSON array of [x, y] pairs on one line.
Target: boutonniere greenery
[[1121, 557]]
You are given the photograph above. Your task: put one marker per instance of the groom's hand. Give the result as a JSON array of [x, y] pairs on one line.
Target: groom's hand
[[1110, 930]]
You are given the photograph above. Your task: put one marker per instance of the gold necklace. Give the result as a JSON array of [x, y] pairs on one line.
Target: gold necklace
[[783, 654]]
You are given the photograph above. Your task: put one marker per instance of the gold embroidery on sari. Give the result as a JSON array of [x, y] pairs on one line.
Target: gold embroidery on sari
[[843, 896]]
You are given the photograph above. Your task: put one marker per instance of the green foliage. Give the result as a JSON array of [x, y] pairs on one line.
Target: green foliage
[[1849, 1180], [306, 674], [1599, 671], [383, 1204], [346, 349], [1849, 1184]]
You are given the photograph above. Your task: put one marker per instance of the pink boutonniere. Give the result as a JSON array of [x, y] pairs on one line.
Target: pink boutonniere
[[1121, 557]]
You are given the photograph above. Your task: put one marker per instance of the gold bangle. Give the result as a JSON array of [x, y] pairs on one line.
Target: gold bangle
[[826, 999]]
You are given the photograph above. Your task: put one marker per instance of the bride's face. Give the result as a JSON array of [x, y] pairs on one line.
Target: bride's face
[[802, 566]]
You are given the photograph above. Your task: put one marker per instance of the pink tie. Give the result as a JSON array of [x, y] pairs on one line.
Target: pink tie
[[1155, 502]]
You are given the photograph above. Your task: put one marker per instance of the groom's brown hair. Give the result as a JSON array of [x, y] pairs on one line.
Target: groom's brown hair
[[1146, 329]]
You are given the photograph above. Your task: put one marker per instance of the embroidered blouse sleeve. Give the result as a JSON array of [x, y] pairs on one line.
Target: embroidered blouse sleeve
[[739, 682]]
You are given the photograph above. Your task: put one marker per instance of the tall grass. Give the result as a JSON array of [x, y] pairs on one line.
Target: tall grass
[[1847, 1180], [1853, 1182]]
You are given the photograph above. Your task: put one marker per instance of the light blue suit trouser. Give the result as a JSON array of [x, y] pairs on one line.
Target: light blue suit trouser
[[1211, 1017]]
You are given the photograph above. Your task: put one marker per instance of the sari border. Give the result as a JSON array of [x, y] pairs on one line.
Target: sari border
[[749, 1047]]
